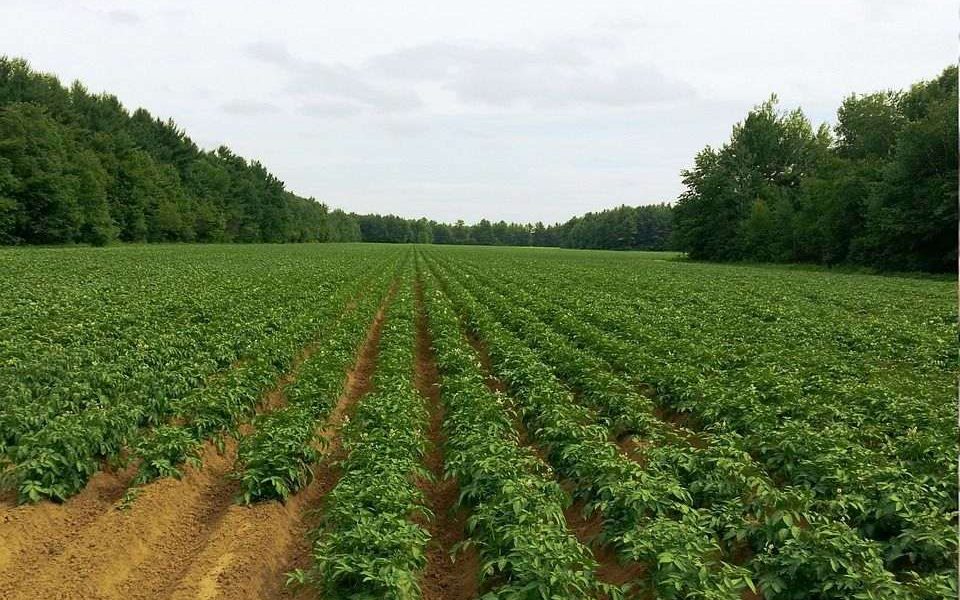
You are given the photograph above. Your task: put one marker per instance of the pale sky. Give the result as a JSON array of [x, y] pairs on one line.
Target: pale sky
[[533, 110]]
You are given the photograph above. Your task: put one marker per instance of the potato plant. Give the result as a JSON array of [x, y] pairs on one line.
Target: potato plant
[[737, 431], [745, 504], [517, 521], [630, 498], [275, 460], [370, 544], [86, 400], [837, 387], [217, 409]]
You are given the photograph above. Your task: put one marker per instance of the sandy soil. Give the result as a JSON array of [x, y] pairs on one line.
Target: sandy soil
[[446, 577]]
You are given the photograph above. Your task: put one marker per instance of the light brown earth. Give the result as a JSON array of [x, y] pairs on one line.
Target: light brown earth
[[446, 577], [250, 554]]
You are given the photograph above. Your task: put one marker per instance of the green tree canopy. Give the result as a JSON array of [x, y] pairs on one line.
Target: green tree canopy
[[882, 193]]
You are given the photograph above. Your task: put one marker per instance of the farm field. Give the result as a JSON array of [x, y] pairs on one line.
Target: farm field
[[397, 421]]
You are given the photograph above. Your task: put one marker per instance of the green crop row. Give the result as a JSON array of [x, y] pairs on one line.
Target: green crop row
[[841, 386], [275, 460], [369, 545], [730, 427], [646, 514], [149, 335], [162, 418], [57, 460], [218, 408], [793, 547], [517, 521], [912, 515]]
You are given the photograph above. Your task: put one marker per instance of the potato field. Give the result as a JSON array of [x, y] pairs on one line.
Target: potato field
[[365, 421]]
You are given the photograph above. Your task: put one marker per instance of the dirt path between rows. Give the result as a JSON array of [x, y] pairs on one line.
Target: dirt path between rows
[[28, 532], [162, 545], [445, 577], [95, 559], [255, 546], [588, 529], [32, 533], [8, 498]]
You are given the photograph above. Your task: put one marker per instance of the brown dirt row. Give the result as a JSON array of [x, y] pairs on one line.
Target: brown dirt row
[[8, 499], [276, 397], [445, 577], [109, 485], [249, 554], [40, 534], [94, 559], [587, 529], [180, 538], [30, 533], [220, 374]]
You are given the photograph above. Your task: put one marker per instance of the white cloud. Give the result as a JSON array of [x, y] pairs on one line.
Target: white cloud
[[273, 53], [338, 81], [330, 108], [249, 107], [550, 86], [560, 73], [333, 85], [123, 16]]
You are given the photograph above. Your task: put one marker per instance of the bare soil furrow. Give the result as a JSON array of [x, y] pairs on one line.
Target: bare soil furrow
[[588, 530], [30, 534], [95, 561], [446, 577], [253, 547]]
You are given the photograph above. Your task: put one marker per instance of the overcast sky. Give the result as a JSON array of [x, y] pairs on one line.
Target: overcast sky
[[516, 110]]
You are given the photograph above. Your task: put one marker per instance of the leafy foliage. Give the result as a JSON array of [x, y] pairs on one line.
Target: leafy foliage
[[882, 194], [517, 520], [368, 546], [630, 498], [803, 443], [79, 167], [733, 429], [275, 460], [104, 362]]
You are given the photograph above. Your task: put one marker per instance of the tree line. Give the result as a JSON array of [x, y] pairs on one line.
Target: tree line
[[647, 227], [77, 167], [879, 189]]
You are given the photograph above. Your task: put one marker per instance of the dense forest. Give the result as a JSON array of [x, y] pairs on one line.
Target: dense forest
[[79, 167], [879, 189]]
